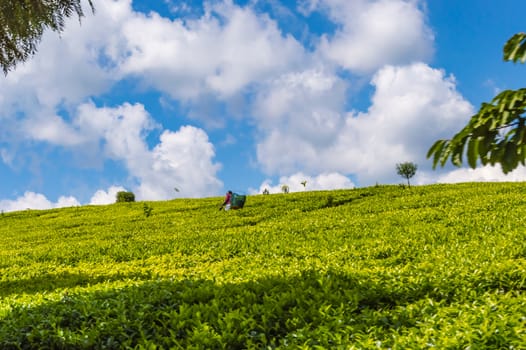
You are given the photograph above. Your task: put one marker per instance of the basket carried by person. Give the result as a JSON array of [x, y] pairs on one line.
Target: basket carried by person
[[233, 201], [238, 201]]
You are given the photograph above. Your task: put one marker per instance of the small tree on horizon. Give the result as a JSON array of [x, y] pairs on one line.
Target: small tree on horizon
[[406, 170], [124, 196]]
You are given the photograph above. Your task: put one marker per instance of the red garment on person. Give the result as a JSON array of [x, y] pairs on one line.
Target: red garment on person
[[228, 198]]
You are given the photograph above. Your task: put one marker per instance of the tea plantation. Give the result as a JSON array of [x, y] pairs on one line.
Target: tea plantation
[[385, 267]]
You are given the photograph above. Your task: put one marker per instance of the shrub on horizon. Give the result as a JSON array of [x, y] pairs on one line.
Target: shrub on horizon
[[123, 196]]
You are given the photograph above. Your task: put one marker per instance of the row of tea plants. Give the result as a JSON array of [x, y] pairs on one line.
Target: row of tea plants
[[438, 266]]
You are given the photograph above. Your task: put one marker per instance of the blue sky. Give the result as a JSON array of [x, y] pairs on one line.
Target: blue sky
[[206, 96]]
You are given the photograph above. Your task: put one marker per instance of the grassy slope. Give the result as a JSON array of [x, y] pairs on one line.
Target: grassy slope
[[440, 265]]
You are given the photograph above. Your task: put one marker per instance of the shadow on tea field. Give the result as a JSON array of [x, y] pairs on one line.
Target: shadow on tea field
[[328, 309]]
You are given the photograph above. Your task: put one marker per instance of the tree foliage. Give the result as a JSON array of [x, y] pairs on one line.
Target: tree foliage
[[497, 133], [515, 48], [123, 196], [406, 170], [23, 22]]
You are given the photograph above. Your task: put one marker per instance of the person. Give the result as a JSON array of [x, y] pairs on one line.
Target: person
[[227, 203]]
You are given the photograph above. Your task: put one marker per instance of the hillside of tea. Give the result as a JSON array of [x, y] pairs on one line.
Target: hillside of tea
[[385, 267]]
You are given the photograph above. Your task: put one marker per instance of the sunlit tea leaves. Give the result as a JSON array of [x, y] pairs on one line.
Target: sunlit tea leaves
[[439, 266]]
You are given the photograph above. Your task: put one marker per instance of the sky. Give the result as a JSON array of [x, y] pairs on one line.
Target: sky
[[188, 99]]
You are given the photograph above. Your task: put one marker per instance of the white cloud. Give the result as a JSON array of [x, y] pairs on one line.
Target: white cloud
[[50, 128], [220, 61], [412, 106], [38, 96], [121, 129], [32, 200], [66, 201], [324, 181], [68, 67], [223, 52], [106, 197], [181, 160], [298, 113], [483, 174], [199, 61], [304, 101], [375, 33]]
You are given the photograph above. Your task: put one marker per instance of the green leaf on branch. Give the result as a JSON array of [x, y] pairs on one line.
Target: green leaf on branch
[[493, 135], [436, 149], [515, 48], [497, 133], [510, 158], [473, 146]]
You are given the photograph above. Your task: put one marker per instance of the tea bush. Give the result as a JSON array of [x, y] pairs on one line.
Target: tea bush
[[440, 266]]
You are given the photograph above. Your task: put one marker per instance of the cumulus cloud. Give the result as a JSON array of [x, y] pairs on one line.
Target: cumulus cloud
[[32, 200], [228, 62], [302, 100], [52, 129], [38, 96], [206, 58], [181, 162], [325, 181], [221, 53], [375, 33], [108, 196], [120, 130], [483, 174], [182, 159], [412, 106], [68, 67], [297, 113]]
